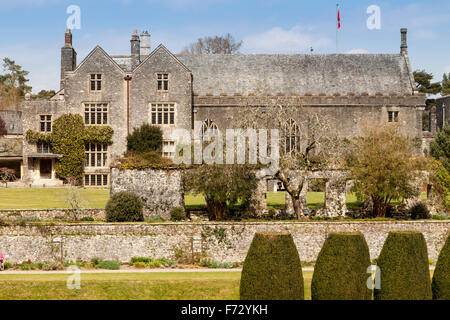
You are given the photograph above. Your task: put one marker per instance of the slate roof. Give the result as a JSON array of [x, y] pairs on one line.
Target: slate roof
[[299, 74]]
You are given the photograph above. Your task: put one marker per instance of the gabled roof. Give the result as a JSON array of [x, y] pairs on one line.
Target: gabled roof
[[300, 74], [159, 48], [98, 49]]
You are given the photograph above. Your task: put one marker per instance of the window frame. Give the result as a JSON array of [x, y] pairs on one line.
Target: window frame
[[393, 116], [42, 146], [94, 155], [163, 81], [96, 81], [95, 111], [160, 114], [171, 155], [46, 122], [94, 177], [291, 130]]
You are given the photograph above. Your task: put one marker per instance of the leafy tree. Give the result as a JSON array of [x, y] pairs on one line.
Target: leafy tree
[[424, 84], [13, 83], [3, 130], [145, 139], [213, 45], [222, 186], [446, 85], [43, 94], [384, 168], [440, 147]]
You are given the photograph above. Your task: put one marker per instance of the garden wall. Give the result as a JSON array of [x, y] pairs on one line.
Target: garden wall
[[161, 190], [224, 242]]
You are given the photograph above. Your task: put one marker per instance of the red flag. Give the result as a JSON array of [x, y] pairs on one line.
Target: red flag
[[339, 19]]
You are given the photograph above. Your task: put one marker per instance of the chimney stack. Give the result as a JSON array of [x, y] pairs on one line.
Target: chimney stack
[[135, 49], [145, 43], [68, 57], [404, 46]]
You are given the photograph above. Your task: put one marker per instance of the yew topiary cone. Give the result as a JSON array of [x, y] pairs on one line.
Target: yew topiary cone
[[272, 269], [441, 276], [340, 269], [404, 268]]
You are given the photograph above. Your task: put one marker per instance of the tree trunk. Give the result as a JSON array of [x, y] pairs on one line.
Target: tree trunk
[[216, 210], [379, 207], [298, 208]]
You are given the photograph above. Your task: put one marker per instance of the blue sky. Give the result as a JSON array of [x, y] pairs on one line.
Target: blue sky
[[32, 31]]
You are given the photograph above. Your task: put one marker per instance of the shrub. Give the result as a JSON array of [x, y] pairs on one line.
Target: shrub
[[110, 265], [95, 261], [144, 139], [216, 265], [139, 265], [403, 263], [124, 207], [340, 269], [420, 211], [140, 259], [177, 214], [272, 269], [441, 278]]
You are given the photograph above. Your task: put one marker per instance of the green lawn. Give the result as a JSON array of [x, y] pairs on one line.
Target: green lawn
[[129, 286], [49, 198]]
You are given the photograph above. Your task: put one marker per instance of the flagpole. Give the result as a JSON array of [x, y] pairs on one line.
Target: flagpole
[[337, 28]]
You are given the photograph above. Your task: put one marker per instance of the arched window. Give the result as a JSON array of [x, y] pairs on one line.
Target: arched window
[[209, 126], [291, 137]]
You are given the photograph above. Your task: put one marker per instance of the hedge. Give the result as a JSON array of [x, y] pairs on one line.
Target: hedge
[[340, 269], [272, 269], [403, 263], [441, 278]]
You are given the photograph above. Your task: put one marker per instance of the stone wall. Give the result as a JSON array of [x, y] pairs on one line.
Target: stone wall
[[226, 242], [50, 214], [161, 190]]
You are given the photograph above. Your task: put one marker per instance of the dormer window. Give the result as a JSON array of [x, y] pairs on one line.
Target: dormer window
[[96, 82], [162, 80]]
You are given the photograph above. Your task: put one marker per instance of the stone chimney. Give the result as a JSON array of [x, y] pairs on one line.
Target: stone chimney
[[135, 49], [404, 46], [145, 43], [68, 57]]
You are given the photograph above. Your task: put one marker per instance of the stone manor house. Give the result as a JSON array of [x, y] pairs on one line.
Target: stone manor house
[[172, 91]]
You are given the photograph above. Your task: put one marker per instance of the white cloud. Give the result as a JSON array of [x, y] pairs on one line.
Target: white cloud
[[447, 69], [278, 40], [358, 51]]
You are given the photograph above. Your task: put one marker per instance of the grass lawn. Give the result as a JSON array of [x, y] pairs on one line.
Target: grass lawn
[[49, 198], [129, 286]]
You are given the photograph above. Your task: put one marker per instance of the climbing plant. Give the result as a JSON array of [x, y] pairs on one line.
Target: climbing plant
[[68, 138]]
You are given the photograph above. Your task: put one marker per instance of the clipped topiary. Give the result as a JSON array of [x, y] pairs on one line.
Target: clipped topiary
[[124, 207], [340, 269], [404, 268], [272, 269], [441, 277]]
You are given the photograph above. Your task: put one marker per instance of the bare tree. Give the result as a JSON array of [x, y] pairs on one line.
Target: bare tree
[[213, 45], [308, 142]]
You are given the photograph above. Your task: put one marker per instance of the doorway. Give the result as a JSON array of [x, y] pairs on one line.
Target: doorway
[[45, 168]]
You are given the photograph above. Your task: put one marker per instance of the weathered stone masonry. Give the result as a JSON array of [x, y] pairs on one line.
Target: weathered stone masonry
[[226, 242]]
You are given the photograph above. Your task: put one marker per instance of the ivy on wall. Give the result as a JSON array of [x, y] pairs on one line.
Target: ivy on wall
[[68, 138]]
